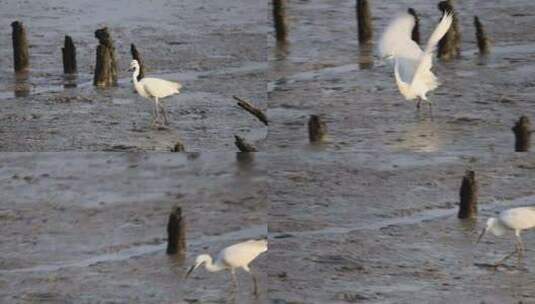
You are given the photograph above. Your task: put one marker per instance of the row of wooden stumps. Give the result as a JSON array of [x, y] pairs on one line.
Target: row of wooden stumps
[[106, 63]]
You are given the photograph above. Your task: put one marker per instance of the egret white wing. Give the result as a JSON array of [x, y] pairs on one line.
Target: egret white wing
[[396, 40], [160, 88], [519, 218], [243, 253]]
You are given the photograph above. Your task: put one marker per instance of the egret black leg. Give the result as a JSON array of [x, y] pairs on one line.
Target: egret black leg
[[164, 113]]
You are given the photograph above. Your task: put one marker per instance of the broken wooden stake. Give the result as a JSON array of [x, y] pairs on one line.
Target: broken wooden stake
[[179, 147], [317, 129], [416, 29], [449, 46], [106, 67], [21, 58], [364, 20], [482, 41], [279, 20], [252, 109], [522, 131], [176, 232], [69, 56], [243, 145], [137, 56], [469, 193]]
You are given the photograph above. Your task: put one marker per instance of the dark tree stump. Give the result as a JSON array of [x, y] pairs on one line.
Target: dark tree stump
[[482, 41], [176, 232], [244, 146], [522, 131], [317, 129], [69, 56], [364, 21], [469, 193], [416, 30], [106, 67], [179, 147], [449, 46], [21, 57], [137, 56], [279, 20]]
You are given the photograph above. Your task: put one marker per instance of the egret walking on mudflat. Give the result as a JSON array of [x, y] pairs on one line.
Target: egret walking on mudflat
[[154, 89], [412, 66], [516, 219], [231, 258]]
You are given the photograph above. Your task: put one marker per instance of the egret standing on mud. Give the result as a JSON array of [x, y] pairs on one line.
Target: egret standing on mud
[[412, 66], [154, 88], [233, 257], [516, 219]]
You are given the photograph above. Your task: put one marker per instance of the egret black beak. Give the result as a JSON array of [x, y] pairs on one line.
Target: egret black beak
[[481, 235], [189, 272]]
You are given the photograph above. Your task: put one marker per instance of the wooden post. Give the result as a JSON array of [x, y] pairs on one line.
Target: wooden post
[[468, 194], [364, 20], [21, 58], [279, 20], [522, 131], [106, 67], [176, 232], [243, 145], [179, 147], [69, 56], [449, 46], [247, 106], [482, 41], [416, 29], [316, 129], [137, 56]]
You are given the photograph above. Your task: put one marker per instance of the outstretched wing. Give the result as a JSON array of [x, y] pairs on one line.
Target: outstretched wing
[[396, 41], [426, 60]]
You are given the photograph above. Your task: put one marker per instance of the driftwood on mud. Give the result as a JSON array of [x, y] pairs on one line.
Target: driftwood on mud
[[106, 66], [176, 232], [247, 106], [137, 56], [279, 20], [364, 21], [317, 129], [482, 40], [416, 29], [21, 59], [468, 194], [449, 46], [522, 131], [69, 56], [243, 145]]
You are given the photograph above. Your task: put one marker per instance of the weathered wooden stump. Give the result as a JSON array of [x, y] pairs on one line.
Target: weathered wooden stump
[[482, 41], [178, 147], [247, 106], [317, 129], [176, 232], [244, 146], [468, 193], [137, 56], [364, 21], [21, 57], [106, 67], [449, 46], [279, 20], [69, 56], [522, 131], [416, 29]]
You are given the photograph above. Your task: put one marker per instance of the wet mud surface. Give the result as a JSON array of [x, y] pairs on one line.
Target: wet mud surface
[[354, 228], [91, 228], [322, 70], [214, 55]]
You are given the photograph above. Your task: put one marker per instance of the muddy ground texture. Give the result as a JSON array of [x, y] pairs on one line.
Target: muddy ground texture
[[354, 228], [91, 228], [215, 49], [322, 70]]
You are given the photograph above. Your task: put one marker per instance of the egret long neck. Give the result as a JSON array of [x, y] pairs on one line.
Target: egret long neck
[[134, 78], [213, 267]]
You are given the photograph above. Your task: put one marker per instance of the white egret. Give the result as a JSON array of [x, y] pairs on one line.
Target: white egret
[[516, 219], [412, 66], [231, 258], [154, 89]]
